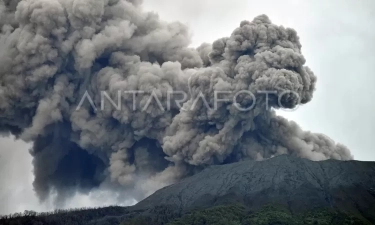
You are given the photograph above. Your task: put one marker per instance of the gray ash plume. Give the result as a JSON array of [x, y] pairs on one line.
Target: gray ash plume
[[53, 52]]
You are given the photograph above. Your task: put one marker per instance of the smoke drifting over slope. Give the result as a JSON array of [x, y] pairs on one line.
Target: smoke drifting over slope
[[53, 52]]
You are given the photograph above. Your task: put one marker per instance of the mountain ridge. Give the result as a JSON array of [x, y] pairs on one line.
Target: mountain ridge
[[297, 183], [281, 190]]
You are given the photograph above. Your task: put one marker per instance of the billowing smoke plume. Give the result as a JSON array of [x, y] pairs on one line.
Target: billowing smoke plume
[[57, 57]]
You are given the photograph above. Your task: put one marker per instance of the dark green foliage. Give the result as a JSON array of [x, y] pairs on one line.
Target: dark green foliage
[[268, 215], [64, 217], [330, 217], [217, 215], [272, 215], [159, 215]]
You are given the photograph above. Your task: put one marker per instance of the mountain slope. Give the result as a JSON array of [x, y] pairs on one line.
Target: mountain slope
[[282, 190], [297, 184]]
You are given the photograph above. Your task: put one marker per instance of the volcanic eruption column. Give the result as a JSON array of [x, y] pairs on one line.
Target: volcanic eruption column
[[54, 52]]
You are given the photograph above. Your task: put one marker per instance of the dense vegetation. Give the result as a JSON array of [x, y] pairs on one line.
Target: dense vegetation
[[269, 215], [218, 215], [66, 217]]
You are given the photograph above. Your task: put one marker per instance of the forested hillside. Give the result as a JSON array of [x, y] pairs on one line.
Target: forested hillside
[[216, 215]]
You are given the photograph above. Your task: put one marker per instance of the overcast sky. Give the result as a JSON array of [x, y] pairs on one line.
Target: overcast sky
[[338, 39]]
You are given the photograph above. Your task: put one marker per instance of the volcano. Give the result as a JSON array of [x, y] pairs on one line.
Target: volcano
[[281, 190], [297, 184]]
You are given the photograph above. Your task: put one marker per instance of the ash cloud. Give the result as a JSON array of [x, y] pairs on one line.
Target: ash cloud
[[53, 51]]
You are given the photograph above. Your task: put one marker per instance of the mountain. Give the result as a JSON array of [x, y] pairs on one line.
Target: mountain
[[281, 190], [296, 183]]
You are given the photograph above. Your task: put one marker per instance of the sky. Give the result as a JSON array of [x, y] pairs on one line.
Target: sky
[[338, 43]]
